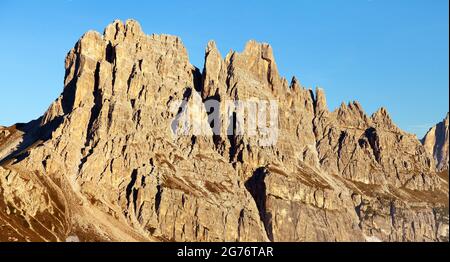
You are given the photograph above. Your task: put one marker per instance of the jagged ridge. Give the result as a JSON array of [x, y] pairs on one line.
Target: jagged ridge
[[107, 144]]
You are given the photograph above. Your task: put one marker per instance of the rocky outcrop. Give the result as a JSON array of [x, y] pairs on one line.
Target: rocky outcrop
[[436, 143], [117, 156]]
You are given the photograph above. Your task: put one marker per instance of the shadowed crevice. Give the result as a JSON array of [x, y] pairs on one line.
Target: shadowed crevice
[[374, 142], [110, 55], [257, 188], [130, 187], [158, 196], [198, 80], [96, 107], [68, 95]]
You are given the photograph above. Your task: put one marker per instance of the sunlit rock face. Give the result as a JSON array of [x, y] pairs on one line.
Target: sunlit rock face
[[110, 160], [436, 144]]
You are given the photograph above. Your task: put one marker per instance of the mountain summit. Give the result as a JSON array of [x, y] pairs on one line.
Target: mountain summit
[[110, 160], [436, 143]]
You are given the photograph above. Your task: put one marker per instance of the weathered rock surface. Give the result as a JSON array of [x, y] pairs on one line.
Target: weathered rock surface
[[109, 161], [436, 142]]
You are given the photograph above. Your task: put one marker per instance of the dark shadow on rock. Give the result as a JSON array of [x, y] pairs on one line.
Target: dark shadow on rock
[[68, 95], [257, 188], [374, 142], [198, 80]]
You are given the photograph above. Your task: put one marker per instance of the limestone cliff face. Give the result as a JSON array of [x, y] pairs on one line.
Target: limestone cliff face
[[436, 143], [106, 162]]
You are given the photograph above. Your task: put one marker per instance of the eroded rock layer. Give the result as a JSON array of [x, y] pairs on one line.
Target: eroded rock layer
[[106, 162]]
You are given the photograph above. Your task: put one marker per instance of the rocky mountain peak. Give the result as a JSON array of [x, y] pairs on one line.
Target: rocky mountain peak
[[382, 119], [211, 47], [436, 142], [320, 100], [258, 63], [119, 31], [295, 84], [213, 71], [129, 152], [351, 113]]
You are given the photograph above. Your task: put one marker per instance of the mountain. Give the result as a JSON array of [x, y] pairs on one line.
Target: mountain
[[132, 151], [435, 142]]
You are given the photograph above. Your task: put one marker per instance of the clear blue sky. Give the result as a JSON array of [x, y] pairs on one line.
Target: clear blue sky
[[391, 53]]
